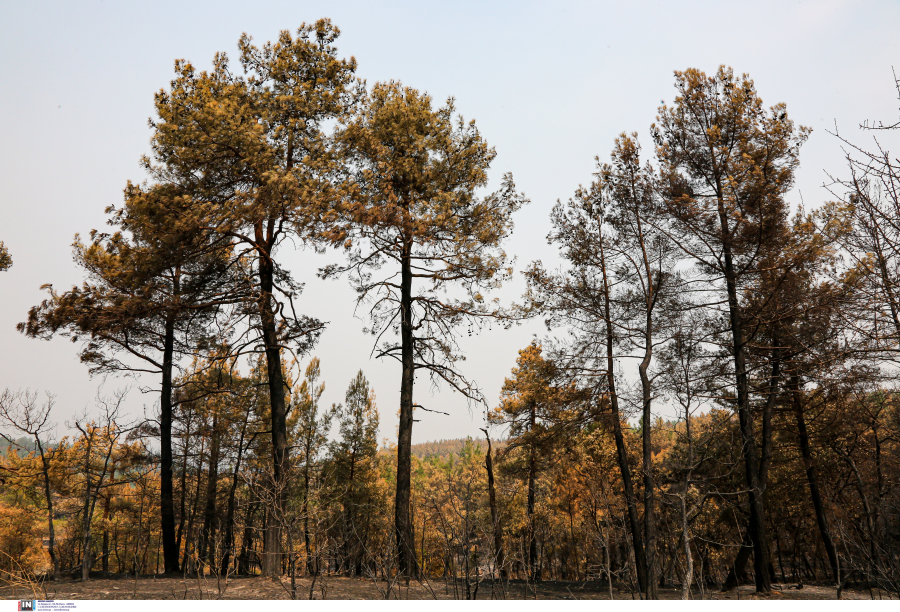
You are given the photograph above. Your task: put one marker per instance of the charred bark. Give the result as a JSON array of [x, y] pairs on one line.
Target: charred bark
[[403, 526]]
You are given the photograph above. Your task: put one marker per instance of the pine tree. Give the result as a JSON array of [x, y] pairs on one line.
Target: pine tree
[[413, 211], [531, 402], [154, 286], [727, 164], [353, 465], [261, 170], [312, 435]]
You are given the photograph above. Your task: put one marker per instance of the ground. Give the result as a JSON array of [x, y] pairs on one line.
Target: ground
[[331, 587]]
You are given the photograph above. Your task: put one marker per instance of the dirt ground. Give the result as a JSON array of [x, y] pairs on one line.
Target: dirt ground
[[331, 587]]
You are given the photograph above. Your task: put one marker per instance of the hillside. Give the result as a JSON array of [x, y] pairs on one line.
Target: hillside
[[24, 443], [443, 448]]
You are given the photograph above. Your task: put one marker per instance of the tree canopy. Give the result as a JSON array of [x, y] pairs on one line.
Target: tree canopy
[[714, 403]]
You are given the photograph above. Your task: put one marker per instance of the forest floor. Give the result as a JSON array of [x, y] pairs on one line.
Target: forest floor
[[332, 587]]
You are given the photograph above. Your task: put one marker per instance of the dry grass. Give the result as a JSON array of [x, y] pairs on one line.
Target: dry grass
[[152, 588]]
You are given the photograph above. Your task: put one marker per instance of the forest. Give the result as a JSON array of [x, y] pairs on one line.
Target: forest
[[714, 404]]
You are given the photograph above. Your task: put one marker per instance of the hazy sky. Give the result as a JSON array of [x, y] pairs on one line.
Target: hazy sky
[[550, 85]]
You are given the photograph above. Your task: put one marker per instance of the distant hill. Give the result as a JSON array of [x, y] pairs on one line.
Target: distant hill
[[25, 443], [443, 448]]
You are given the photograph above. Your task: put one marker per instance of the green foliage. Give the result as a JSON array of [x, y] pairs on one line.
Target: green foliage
[[312, 428], [441, 449], [357, 420]]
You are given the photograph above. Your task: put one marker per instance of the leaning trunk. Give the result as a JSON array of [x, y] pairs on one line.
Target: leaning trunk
[[621, 450], [812, 478], [757, 527], [738, 570]]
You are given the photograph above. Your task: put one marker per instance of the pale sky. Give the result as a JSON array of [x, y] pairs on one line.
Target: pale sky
[[549, 84]]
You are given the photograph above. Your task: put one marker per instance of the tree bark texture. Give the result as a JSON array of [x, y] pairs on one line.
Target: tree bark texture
[[621, 450], [272, 565], [167, 495], [812, 477], [757, 527], [499, 559], [403, 526]]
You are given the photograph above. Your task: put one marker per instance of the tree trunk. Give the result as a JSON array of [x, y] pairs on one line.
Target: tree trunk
[[812, 478], [86, 533], [351, 545], [228, 540], [207, 552], [738, 570], [534, 572], [686, 542], [499, 560], [737, 573], [182, 514], [90, 501], [757, 526], [311, 568], [403, 526], [166, 493], [195, 502], [650, 297], [272, 547], [105, 552], [45, 470], [630, 497], [649, 502], [621, 450], [243, 560], [685, 524]]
